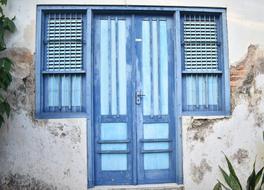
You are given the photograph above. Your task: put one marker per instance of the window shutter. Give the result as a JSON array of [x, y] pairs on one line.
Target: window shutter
[[200, 42], [64, 41], [201, 69], [63, 69]]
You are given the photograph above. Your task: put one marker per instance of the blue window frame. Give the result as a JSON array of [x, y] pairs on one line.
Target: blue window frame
[[202, 63], [62, 73], [209, 81]]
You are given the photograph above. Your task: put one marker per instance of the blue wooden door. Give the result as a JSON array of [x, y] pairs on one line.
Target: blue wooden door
[[155, 112], [133, 99]]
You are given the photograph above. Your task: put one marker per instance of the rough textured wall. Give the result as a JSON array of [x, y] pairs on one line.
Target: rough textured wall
[[239, 136], [51, 154], [38, 154]]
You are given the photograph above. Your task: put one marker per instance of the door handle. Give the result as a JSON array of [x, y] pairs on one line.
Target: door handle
[[139, 95]]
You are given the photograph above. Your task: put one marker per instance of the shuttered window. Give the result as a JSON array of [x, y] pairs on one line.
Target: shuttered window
[[63, 70], [202, 71], [66, 47]]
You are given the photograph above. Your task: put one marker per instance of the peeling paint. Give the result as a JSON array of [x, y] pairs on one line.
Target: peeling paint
[[200, 128]]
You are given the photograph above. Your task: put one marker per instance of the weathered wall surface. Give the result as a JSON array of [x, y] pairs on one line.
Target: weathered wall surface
[[239, 136], [38, 154], [51, 154]]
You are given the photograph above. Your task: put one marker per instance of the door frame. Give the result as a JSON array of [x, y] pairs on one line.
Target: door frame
[[177, 105], [90, 10], [175, 11]]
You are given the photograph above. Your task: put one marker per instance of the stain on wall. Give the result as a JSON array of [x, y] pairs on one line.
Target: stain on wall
[[23, 182], [198, 171], [38, 154], [241, 155], [239, 135]]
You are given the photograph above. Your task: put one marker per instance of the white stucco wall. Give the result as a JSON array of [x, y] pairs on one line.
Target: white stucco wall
[[52, 153]]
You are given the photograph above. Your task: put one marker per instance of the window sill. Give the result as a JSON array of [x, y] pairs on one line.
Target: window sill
[[57, 115], [207, 114]]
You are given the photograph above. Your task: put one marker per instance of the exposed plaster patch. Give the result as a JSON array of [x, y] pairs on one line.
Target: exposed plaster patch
[[198, 171], [242, 76], [22, 88], [241, 155], [200, 128], [23, 182]]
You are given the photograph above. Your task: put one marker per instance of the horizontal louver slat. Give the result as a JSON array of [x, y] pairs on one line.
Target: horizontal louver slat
[[64, 48], [200, 42]]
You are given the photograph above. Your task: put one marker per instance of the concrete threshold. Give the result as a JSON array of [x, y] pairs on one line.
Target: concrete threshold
[[165, 186]]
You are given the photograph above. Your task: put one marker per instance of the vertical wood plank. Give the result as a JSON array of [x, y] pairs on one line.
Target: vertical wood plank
[[104, 70], [201, 91], [76, 92], [155, 71], [159, 67], [146, 69], [114, 67], [117, 67], [66, 91], [151, 70], [163, 66], [179, 57], [122, 70], [109, 67]]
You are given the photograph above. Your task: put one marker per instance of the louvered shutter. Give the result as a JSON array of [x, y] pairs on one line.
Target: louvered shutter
[[63, 68], [201, 70]]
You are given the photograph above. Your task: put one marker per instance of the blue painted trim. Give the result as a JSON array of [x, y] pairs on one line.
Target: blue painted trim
[[89, 105], [40, 72], [224, 88], [58, 115], [178, 95], [227, 103], [134, 116], [132, 8], [204, 113], [39, 19]]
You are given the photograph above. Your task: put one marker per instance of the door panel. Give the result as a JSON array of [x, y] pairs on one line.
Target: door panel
[[113, 113], [113, 65], [133, 87], [113, 162], [155, 66], [155, 125]]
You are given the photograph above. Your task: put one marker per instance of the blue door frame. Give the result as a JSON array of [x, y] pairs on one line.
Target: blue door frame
[[107, 114]]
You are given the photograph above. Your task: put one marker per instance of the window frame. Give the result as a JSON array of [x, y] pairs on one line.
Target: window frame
[[40, 65], [223, 67]]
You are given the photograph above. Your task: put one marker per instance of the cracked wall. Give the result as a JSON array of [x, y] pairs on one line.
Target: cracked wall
[[51, 154], [239, 136]]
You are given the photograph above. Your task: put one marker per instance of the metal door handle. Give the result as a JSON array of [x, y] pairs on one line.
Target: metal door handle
[[139, 95]]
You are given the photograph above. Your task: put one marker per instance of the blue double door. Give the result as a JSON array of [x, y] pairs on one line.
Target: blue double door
[[134, 116]]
